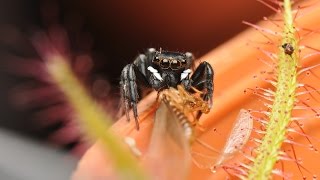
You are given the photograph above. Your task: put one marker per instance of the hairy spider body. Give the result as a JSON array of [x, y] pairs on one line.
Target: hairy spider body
[[160, 70]]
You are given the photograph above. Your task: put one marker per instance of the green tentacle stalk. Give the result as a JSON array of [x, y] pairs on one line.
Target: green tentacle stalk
[[280, 115], [93, 118]]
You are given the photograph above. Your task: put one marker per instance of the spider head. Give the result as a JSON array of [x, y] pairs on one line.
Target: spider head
[[172, 60]]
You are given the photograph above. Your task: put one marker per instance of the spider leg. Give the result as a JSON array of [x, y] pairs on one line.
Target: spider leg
[[133, 75], [190, 60], [130, 76], [202, 79], [145, 60]]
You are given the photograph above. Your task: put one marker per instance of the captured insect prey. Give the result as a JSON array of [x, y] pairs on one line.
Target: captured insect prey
[[169, 154], [211, 158], [160, 70], [288, 48], [183, 105], [171, 149]]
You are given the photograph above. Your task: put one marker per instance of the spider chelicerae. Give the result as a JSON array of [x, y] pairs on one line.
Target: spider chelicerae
[[160, 70]]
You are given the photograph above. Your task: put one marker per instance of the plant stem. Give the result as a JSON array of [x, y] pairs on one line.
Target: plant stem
[[93, 118], [280, 116]]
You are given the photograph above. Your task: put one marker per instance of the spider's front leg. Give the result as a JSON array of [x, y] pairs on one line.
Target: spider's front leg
[[202, 79], [130, 77]]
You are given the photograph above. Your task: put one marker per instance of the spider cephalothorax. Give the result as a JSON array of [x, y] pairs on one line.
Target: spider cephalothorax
[[160, 70]]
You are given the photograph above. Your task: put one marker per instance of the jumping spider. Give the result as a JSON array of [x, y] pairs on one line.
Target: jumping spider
[[160, 70]]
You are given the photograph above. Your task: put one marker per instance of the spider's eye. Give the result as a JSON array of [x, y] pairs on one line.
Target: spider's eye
[[164, 63], [175, 64], [183, 62], [156, 60]]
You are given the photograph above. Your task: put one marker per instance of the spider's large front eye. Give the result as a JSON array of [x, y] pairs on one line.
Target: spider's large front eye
[[164, 63], [175, 64]]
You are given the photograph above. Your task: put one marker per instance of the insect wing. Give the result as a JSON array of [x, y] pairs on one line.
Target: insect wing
[[168, 156], [206, 157], [239, 136]]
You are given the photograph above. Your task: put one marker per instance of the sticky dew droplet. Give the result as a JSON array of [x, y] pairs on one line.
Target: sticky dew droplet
[[316, 150], [308, 73], [314, 177]]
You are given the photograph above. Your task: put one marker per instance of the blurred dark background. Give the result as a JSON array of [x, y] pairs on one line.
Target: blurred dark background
[[115, 32]]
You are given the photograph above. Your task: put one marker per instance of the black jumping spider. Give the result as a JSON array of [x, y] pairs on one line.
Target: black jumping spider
[[160, 70]]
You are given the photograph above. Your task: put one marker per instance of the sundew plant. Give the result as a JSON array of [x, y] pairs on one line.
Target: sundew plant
[[276, 64], [281, 97]]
